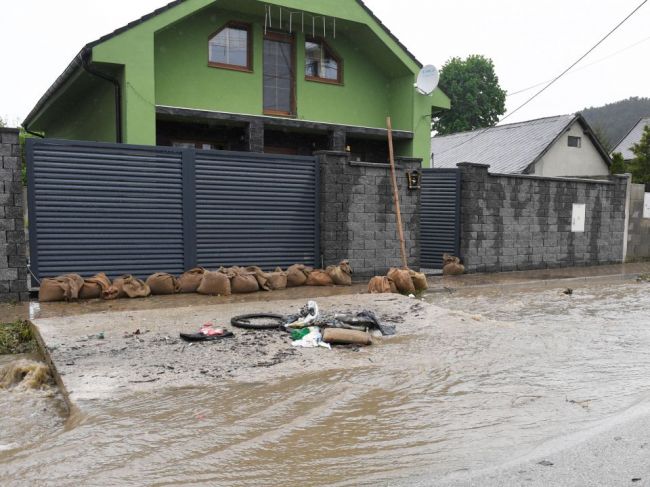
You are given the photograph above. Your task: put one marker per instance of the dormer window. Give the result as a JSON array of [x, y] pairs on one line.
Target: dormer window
[[321, 63], [230, 47]]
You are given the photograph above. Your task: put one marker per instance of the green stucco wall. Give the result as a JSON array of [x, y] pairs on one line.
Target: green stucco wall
[[184, 79], [88, 115], [163, 61]]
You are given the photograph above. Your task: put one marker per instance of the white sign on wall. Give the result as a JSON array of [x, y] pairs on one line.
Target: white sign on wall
[[646, 206], [578, 218]]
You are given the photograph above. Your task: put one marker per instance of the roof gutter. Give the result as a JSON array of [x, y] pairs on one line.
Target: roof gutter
[[85, 56]]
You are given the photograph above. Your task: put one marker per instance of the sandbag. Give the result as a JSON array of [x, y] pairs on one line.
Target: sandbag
[[452, 266], [346, 337], [243, 281], [61, 288], [261, 277], [214, 284], [402, 280], [380, 285], [297, 275], [98, 286], [109, 291], [51, 290], [162, 283], [419, 281], [341, 274], [277, 280], [319, 277], [131, 287], [90, 290], [190, 281]]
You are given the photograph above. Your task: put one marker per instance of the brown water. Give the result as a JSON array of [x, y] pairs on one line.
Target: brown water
[[514, 371], [32, 409]]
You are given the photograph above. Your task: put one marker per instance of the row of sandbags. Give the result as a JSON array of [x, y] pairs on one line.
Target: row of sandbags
[[404, 281], [223, 282]]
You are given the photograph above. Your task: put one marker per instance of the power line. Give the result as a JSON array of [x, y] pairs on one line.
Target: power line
[[575, 63], [605, 58], [554, 80]]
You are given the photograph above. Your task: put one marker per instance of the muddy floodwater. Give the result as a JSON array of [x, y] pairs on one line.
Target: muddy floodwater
[[499, 374]]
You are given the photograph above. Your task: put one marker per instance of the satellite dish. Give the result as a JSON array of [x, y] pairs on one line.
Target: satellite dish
[[428, 80]]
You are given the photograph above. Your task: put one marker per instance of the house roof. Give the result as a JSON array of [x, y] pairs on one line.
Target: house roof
[[78, 60], [507, 149], [632, 137]]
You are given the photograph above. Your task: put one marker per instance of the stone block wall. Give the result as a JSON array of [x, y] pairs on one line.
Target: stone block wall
[[638, 236], [358, 217], [513, 222], [13, 264]]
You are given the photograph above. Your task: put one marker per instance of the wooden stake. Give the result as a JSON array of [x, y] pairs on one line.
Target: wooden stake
[[398, 212]]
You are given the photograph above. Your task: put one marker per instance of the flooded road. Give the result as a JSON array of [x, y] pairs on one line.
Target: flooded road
[[32, 409], [482, 384]]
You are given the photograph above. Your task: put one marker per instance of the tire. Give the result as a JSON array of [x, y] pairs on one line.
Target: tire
[[260, 321]]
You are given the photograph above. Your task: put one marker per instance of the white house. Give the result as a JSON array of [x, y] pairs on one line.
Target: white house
[[632, 137], [562, 146]]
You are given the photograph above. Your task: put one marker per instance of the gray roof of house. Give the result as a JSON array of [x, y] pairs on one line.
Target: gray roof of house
[[507, 149], [633, 137]]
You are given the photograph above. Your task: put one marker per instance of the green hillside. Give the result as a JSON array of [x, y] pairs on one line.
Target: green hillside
[[614, 120]]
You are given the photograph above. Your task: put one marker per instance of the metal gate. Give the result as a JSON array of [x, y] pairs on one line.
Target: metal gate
[[439, 216], [123, 209]]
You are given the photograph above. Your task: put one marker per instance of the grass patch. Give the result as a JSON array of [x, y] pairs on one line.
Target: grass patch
[[16, 338]]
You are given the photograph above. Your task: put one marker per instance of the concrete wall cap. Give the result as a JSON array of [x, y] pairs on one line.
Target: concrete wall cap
[[9, 130], [471, 164]]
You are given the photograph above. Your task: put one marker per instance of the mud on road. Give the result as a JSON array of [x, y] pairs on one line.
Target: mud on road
[[473, 382]]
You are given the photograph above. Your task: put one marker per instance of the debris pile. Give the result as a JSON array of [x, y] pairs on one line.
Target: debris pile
[[222, 282], [311, 329]]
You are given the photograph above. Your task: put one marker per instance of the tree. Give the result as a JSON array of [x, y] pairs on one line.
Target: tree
[[477, 100], [641, 164], [618, 164], [603, 138], [2, 123]]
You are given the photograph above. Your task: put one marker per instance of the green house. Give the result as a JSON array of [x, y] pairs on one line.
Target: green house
[[276, 76]]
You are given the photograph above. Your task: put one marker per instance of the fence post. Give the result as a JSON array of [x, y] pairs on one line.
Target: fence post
[[189, 207]]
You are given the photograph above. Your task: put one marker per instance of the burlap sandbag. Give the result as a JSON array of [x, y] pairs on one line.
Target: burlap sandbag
[[243, 281], [277, 280], [379, 285], [214, 284], [297, 275], [51, 290], [261, 276], [96, 287], [452, 266], [61, 288], [402, 280], [319, 277], [131, 287], [90, 290], [162, 283], [190, 281], [341, 274], [419, 281]]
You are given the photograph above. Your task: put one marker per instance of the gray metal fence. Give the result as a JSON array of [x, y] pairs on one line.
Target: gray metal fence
[[439, 216], [115, 208]]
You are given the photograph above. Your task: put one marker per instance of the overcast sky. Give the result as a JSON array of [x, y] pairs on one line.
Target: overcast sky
[[530, 42]]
